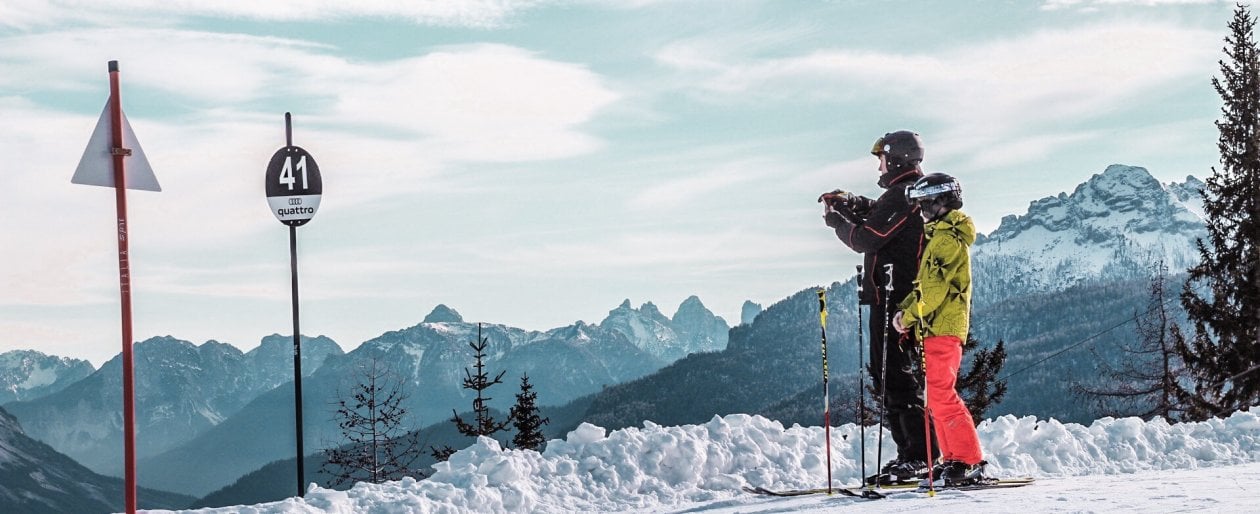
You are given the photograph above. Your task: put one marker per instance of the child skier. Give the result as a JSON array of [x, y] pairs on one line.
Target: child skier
[[939, 310]]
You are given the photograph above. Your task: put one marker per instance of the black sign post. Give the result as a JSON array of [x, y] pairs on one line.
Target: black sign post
[[294, 188]]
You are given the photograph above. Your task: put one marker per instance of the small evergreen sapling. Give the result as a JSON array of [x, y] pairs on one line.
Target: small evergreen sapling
[[484, 424], [526, 419]]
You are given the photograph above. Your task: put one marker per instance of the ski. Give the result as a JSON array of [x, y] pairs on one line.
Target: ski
[[887, 479], [806, 492], [984, 483], [903, 487]]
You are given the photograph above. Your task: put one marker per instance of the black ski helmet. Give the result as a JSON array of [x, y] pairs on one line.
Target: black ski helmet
[[903, 149], [936, 187]]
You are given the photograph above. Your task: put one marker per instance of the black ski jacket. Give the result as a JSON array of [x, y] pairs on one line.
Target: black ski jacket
[[887, 230]]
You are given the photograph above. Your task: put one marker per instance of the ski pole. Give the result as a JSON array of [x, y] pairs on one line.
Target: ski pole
[[822, 320], [883, 371], [861, 382], [927, 416]]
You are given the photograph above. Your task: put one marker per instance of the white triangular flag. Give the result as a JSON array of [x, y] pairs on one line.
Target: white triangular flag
[[96, 167]]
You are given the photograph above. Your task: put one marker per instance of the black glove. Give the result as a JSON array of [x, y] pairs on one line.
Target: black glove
[[835, 220]]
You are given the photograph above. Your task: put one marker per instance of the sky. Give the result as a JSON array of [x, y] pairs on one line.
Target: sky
[[1112, 465], [537, 162]]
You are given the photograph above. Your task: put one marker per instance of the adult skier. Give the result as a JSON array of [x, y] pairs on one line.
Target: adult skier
[[888, 231], [938, 312]]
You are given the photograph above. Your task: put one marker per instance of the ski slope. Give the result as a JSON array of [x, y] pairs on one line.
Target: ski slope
[[1111, 465]]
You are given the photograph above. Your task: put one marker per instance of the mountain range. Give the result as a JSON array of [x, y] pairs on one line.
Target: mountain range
[[1113, 226], [195, 406], [181, 391], [36, 479], [1082, 256]]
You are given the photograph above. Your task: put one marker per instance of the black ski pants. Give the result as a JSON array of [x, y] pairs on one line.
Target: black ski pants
[[900, 385]]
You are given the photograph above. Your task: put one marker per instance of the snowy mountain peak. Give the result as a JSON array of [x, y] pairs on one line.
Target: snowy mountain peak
[[1116, 223], [650, 310], [28, 374], [694, 328], [692, 307], [1190, 194], [443, 314], [691, 302], [695, 322], [1120, 199]]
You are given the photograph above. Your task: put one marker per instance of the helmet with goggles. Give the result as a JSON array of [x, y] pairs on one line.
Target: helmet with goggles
[[936, 188], [903, 150]]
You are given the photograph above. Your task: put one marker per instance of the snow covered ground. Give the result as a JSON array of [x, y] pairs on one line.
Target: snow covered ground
[[1111, 465]]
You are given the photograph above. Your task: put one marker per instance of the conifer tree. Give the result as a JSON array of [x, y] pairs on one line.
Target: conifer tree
[[526, 419], [479, 382], [980, 388], [379, 447], [1222, 294], [1146, 380], [484, 424]]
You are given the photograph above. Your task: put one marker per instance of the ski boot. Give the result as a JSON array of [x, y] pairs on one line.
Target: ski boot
[[957, 473], [898, 471]]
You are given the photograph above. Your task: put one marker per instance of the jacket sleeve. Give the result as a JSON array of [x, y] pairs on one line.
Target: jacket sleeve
[[942, 260], [887, 217]]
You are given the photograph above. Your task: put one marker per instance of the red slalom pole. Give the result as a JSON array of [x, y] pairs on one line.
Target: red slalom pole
[[822, 320], [124, 284]]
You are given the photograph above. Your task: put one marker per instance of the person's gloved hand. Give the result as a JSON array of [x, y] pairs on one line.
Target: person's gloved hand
[[834, 219], [837, 198]]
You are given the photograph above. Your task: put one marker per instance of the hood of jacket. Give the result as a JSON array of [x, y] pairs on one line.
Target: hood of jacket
[[954, 224]]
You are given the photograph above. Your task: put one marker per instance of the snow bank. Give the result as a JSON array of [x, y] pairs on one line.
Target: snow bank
[[658, 467]]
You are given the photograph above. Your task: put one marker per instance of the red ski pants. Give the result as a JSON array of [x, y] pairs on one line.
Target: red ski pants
[[955, 431]]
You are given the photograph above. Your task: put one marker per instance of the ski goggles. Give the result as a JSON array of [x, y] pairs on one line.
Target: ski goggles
[[929, 192], [879, 147]]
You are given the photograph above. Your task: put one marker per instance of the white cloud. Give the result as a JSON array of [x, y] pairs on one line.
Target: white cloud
[[980, 94], [677, 192], [857, 174], [486, 103], [466, 13], [480, 102], [1030, 148], [664, 251], [1094, 5], [201, 67]]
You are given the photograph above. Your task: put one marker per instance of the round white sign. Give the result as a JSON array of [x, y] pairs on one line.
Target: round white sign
[[294, 186]]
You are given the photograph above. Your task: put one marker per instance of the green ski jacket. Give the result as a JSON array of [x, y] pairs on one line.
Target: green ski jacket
[[940, 304]]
